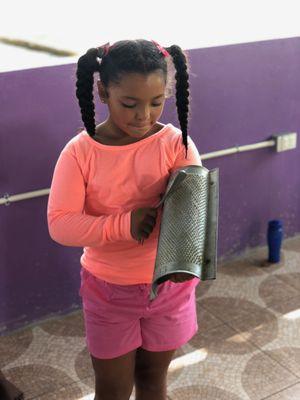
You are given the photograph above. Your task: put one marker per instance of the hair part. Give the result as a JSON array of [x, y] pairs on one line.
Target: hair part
[[132, 56]]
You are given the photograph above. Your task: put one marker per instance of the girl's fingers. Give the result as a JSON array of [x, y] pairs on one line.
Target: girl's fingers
[[181, 277], [174, 278]]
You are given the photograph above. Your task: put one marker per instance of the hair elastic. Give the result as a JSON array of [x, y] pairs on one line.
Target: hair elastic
[[105, 52], [162, 49]]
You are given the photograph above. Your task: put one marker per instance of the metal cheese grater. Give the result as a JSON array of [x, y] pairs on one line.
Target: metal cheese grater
[[189, 225]]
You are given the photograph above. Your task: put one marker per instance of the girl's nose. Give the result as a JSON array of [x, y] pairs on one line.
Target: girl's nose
[[143, 118], [143, 115]]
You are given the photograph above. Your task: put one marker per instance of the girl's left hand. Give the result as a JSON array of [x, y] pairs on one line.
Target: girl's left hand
[[181, 277]]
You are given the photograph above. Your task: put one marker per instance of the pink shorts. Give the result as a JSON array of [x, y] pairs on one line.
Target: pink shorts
[[121, 318]]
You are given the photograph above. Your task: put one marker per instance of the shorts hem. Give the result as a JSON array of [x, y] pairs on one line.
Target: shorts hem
[[170, 346], [120, 353]]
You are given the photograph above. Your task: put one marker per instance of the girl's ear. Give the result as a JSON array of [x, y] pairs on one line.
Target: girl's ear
[[101, 90], [168, 93]]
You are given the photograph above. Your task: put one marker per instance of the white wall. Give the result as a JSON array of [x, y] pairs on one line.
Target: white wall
[[190, 24]]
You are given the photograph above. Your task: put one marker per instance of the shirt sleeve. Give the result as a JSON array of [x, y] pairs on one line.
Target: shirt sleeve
[[67, 223], [193, 156]]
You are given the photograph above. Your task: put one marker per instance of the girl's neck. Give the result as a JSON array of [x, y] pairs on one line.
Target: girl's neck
[[105, 134]]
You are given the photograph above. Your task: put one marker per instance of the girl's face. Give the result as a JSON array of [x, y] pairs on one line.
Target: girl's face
[[135, 104]]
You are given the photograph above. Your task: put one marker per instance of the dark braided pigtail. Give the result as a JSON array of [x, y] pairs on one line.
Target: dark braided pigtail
[[86, 67], [182, 89]]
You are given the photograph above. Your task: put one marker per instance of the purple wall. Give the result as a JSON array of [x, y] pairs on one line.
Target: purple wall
[[240, 94]]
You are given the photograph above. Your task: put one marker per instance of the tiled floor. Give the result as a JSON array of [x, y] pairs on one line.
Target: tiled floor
[[247, 346]]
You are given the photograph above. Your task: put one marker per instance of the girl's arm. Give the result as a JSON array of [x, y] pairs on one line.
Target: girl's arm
[[67, 224], [193, 156]]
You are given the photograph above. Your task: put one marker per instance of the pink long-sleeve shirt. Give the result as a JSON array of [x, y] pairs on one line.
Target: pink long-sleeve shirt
[[94, 189]]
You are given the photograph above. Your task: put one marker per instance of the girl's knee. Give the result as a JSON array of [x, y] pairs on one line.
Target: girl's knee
[[146, 381], [114, 378], [112, 391], [151, 389]]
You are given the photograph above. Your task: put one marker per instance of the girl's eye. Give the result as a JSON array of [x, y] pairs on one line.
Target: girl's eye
[[127, 106]]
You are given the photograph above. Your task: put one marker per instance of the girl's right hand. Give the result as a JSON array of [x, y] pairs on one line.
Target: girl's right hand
[[143, 221]]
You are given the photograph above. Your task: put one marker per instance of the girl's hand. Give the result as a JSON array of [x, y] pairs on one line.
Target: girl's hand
[[181, 277], [142, 222]]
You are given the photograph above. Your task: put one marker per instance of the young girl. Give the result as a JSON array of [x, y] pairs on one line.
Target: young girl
[[106, 184]]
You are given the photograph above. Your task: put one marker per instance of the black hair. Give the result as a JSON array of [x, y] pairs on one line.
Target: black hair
[[132, 56]]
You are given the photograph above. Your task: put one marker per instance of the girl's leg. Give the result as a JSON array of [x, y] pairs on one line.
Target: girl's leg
[[151, 374], [8, 391], [114, 378]]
